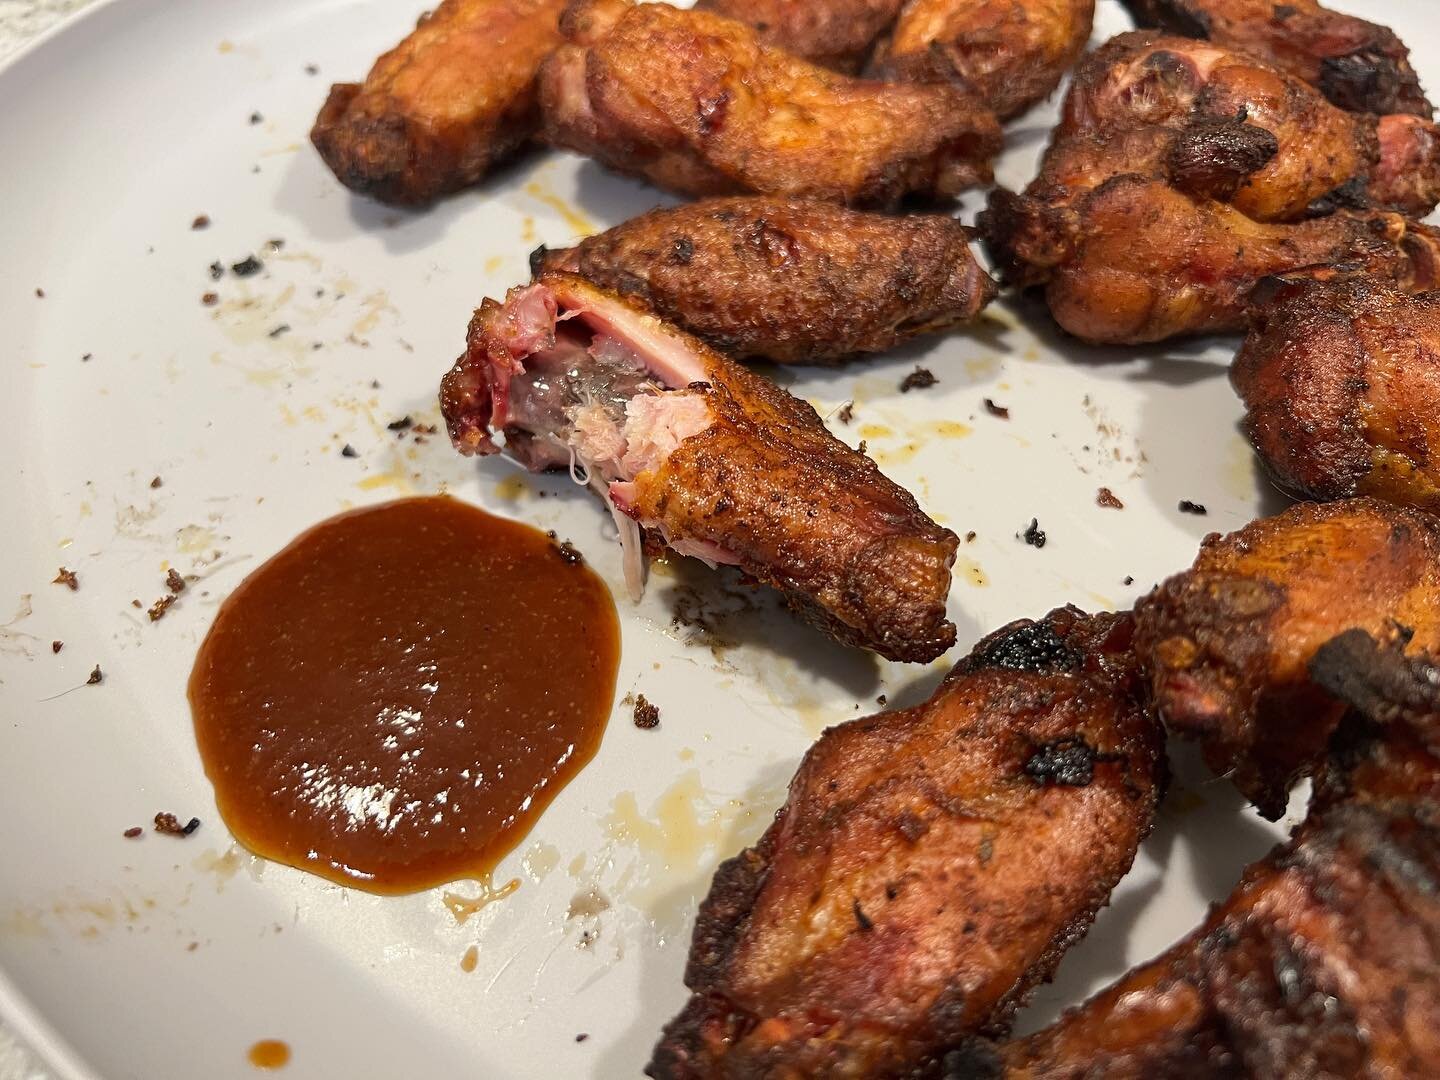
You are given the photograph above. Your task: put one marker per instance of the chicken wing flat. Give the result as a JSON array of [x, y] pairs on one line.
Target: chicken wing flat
[[695, 103], [690, 450], [1011, 53], [836, 34], [1340, 381], [1356, 64], [1227, 642], [794, 281], [930, 866], [1325, 960], [443, 107]]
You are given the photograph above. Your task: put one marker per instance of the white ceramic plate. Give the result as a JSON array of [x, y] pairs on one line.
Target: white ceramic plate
[[157, 957]]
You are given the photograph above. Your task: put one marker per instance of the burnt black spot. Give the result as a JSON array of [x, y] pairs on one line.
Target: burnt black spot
[[537, 260], [1354, 194], [1031, 647], [1069, 762], [682, 250], [975, 1060], [862, 920], [1363, 81]]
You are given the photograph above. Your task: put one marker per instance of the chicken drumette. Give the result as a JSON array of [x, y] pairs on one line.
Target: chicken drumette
[[695, 103], [794, 281], [691, 450], [929, 868], [1227, 642], [445, 105], [1340, 381], [1356, 64]]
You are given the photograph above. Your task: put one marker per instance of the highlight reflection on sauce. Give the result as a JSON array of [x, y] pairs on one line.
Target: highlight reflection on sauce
[[393, 699]]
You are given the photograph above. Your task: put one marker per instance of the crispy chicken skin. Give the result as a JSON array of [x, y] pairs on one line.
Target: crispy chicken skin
[[693, 102], [1356, 64], [443, 107], [929, 868], [693, 451], [836, 34], [1325, 960], [1011, 53], [1158, 210], [794, 281], [1227, 642], [1340, 381]]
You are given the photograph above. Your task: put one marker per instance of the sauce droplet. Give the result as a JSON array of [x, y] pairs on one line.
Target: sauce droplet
[[469, 960], [270, 1054], [393, 699]]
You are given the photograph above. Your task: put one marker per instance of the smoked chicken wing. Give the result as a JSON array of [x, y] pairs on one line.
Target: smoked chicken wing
[[689, 449], [793, 281], [929, 867]]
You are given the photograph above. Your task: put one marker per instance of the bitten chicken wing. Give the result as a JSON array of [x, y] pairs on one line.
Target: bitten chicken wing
[[695, 452], [929, 868], [1325, 960], [1011, 53], [1356, 64], [695, 103], [1340, 382], [836, 34], [443, 107], [1226, 643], [794, 281]]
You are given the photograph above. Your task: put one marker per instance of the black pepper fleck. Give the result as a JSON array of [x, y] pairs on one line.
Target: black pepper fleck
[[1188, 507], [217, 271], [256, 118], [1033, 534], [919, 379], [283, 328], [349, 451], [247, 267]]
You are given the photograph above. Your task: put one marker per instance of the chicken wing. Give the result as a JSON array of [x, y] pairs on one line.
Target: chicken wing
[[695, 103], [689, 449], [1340, 381], [443, 107], [836, 34], [1325, 960], [1011, 53], [1226, 643], [1356, 64], [929, 868], [793, 281]]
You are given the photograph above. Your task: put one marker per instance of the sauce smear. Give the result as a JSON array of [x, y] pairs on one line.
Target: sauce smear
[[393, 699]]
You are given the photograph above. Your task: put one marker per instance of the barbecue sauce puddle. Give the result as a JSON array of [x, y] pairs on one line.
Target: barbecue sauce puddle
[[393, 699]]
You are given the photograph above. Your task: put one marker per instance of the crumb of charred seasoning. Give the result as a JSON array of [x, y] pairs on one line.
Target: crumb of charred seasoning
[[1033, 534], [157, 610], [256, 118], [582, 1036], [283, 328], [401, 425], [1002, 411], [846, 412], [425, 429], [247, 267], [1128, 580], [882, 700], [312, 69], [863, 446], [56, 645], [349, 451], [96, 677], [156, 482], [173, 581], [68, 578], [647, 715], [169, 824], [217, 270], [970, 536], [210, 299], [919, 379], [87, 357], [133, 833], [136, 603], [1188, 507], [202, 221], [1107, 498], [374, 384], [39, 292]]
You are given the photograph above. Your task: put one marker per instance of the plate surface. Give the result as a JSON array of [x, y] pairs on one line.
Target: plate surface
[[157, 957]]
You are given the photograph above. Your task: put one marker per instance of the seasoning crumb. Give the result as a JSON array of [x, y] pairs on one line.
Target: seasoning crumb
[[56, 646], [1188, 507], [40, 292], [581, 1037], [919, 379], [217, 271], [646, 715], [68, 578], [1107, 498], [349, 451], [247, 267], [132, 832], [569, 552], [846, 412], [283, 328], [87, 357], [1033, 534], [275, 244], [881, 700], [96, 677], [256, 118], [1002, 411], [136, 603], [970, 536], [156, 482], [403, 424], [157, 610], [312, 69], [1129, 580], [173, 581], [169, 824], [374, 383], [210, 299], [202, 221]]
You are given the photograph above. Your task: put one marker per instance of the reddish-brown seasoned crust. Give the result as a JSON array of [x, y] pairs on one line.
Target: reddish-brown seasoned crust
[[1011, 53], [836, 34], [1325, 960], [693, 102], [1358, 65], [443, 107], [1340, 381], [1227, 642], [930, 866], [794, 281]]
